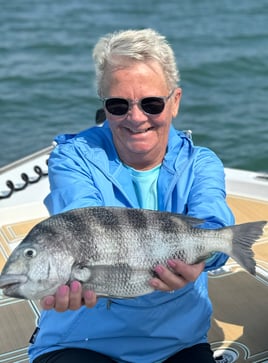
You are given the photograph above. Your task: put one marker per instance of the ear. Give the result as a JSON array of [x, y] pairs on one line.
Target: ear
[[176, 101]]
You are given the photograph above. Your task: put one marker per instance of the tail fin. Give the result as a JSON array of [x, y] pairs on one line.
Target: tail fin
[[244, 236]]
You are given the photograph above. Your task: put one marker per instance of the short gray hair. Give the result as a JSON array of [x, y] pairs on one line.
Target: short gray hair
[[120, 48]]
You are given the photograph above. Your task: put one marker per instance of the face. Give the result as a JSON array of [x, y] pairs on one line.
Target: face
[[140, 138]]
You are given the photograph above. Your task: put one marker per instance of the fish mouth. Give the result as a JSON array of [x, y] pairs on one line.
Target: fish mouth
[[11, 282]]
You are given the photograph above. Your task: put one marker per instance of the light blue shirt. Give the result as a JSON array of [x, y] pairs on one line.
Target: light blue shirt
[[145, 185]]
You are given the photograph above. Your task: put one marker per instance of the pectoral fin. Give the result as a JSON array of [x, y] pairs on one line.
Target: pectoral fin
[[81, 272], [105, 280]]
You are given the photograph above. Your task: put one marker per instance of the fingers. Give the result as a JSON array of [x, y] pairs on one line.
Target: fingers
[[189, 272], [176, 276], [167, 280], [62, 298], [47, 302], [72, 298], [90, 298], [69, 298], [75, 295]]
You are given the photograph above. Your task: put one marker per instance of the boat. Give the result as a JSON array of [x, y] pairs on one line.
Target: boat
[[240, 301]]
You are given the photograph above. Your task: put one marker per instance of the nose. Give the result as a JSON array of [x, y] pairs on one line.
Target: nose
[[135, 112]]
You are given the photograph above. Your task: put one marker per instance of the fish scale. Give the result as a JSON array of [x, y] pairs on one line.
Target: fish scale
[[114, 251]]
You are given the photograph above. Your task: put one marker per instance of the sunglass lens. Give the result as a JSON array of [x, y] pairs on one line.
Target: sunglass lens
[[153, 105], [117, 106]]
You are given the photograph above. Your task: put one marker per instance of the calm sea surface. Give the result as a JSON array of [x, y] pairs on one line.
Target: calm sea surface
[[47, 75]]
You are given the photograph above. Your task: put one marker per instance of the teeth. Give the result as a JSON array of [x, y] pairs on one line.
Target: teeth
[[139, 132]]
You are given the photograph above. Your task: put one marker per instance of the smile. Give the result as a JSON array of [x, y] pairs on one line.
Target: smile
[[139, 131]]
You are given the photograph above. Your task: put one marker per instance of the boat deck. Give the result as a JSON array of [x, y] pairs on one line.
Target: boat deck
[[240, 301]]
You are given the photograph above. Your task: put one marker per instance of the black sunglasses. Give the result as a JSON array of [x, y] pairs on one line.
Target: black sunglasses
[[150, 105]]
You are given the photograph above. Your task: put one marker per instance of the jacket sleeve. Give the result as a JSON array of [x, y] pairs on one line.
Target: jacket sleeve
[[207, 198], [71, 182]]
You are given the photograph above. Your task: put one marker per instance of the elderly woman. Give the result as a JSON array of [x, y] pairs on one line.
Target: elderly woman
[[137, 160]]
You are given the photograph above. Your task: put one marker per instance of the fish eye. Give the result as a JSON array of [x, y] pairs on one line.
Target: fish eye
[[29, 253]]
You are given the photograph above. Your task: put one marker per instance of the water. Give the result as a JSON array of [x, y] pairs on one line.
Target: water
[[47, 75]]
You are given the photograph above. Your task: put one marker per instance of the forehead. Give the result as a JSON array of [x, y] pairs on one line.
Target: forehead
[[135, 74]]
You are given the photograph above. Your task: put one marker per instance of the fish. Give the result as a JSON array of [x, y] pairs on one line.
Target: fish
[[114, 250]]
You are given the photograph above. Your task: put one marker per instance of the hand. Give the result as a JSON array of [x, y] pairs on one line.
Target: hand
[[71, 298], [176, 276]]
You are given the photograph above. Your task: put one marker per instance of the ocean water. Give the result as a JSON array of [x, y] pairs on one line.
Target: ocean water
[[47, 76]]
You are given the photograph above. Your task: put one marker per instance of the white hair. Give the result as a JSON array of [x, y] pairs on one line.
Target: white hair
[[120, 48]]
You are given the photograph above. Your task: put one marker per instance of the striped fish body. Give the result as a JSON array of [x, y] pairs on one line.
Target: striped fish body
[[113, 251]]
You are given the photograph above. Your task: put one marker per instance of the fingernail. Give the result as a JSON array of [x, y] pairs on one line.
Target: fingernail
[[171, 263], [49, 300], [154, 283], [88, 294], [63, 290], [75, 286], [159, 269]]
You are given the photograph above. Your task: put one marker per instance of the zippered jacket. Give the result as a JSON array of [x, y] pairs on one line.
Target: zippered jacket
[[85, 170]]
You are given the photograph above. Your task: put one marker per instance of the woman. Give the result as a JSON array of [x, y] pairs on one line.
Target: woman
[[136, 159]]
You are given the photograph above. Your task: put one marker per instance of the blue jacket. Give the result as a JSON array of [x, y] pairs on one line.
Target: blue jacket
[[85, 170]]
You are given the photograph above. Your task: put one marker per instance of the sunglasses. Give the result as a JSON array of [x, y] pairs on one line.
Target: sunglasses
[[149, 105]]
